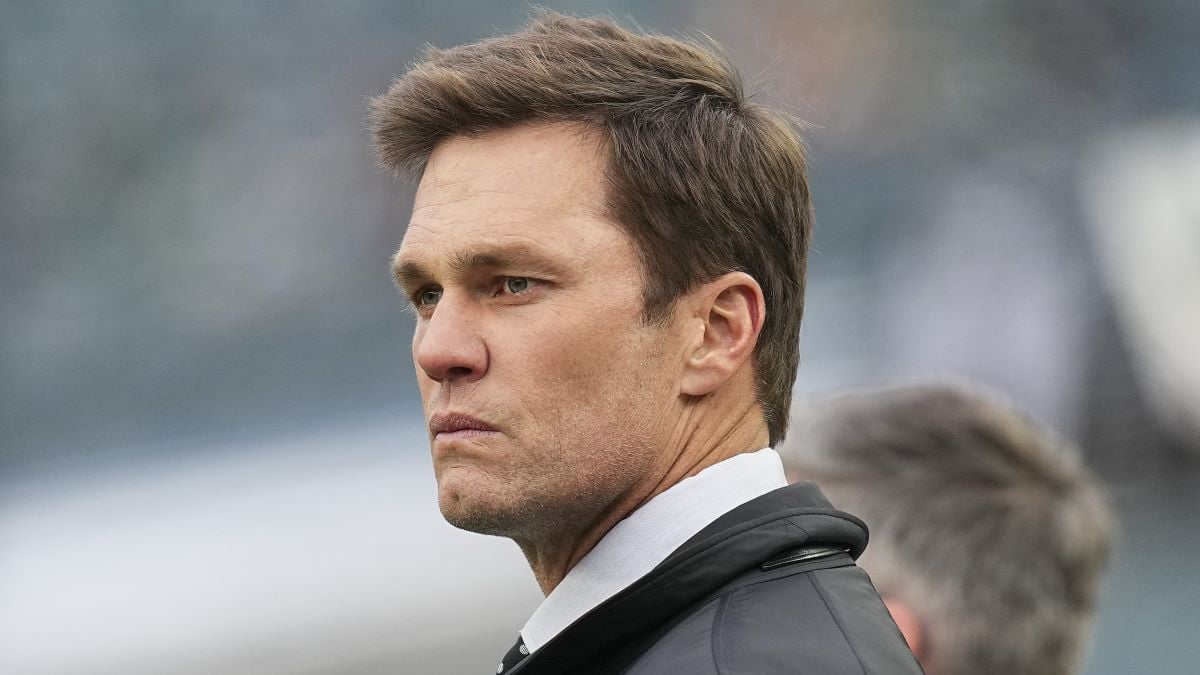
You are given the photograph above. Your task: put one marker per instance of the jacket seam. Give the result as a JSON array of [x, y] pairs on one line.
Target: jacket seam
[[715, 634], [801, 568], [812, 578], [741, 582], [759, 522]]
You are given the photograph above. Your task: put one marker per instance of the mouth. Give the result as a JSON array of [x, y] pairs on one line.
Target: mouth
[[450, 426]]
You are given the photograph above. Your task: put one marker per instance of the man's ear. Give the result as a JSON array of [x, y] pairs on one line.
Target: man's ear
[[731, 310], [909, 625]]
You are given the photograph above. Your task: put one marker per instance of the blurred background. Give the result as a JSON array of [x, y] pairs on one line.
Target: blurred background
[[212, 458]]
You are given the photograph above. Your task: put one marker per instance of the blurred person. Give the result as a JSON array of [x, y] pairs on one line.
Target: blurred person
[[988, 535], [606, 261], [1143, 180]]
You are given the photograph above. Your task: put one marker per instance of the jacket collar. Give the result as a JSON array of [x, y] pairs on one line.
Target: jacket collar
[[759, 530]]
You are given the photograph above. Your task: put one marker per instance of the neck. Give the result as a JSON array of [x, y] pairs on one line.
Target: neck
[[701, 438]]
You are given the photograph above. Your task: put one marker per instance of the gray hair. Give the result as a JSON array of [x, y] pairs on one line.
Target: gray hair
[[985, 524]]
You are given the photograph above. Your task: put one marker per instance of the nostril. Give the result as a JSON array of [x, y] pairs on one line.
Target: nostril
[[458, 372]]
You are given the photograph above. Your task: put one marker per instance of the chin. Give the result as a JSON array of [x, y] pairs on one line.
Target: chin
[[474, 506], [481, 519]]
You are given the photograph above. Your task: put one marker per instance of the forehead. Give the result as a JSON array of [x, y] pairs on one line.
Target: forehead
[[532, 185]]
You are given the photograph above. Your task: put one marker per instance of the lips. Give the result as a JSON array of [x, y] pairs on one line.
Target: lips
[[457, 425]]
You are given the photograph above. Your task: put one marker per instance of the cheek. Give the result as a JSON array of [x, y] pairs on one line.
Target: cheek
[[427, 388], [574, 355], [592, 373]]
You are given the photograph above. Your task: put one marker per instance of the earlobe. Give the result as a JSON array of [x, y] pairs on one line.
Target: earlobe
[[909, 625], [731, 310]]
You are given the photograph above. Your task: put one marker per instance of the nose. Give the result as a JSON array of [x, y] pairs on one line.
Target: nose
[[449, 345]]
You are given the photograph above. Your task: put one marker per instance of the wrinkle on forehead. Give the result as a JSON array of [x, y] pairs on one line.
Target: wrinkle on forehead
[[561, 166], [434, 205], [543, 185], [453, 242]]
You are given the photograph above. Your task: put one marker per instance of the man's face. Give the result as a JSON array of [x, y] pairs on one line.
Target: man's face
[[548, 397]]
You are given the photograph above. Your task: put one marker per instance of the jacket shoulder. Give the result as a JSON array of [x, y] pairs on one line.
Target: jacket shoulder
[[804, 620]]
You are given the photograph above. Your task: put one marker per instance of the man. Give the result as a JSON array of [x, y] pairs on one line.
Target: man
[[606, 261], [988, 536]]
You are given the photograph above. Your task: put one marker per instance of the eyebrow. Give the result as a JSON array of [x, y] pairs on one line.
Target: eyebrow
[[409, 273]]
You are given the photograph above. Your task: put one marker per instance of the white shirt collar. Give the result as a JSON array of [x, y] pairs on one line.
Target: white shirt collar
[[647, 536]]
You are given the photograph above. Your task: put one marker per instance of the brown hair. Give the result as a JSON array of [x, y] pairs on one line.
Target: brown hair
[[983, 522], [701, 179]]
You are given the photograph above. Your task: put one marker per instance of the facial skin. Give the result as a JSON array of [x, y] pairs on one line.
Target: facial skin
[[529, 324]]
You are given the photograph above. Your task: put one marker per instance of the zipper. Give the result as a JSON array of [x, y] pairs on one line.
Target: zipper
[[803, 555]]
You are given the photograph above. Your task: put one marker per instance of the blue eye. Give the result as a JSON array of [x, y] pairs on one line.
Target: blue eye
[[427, 297], [516, 284]]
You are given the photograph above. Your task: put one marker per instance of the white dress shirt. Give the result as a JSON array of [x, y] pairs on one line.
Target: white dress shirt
[[647, 536]]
